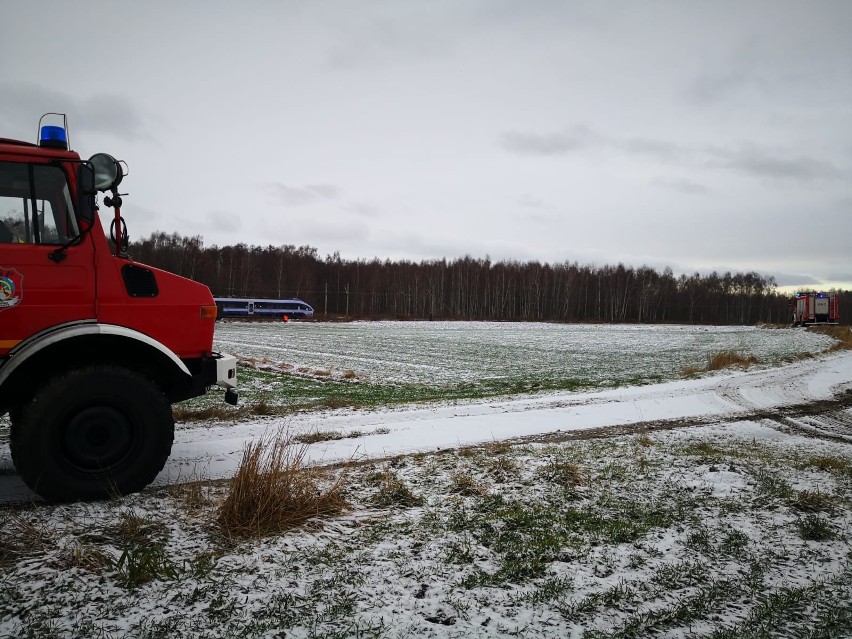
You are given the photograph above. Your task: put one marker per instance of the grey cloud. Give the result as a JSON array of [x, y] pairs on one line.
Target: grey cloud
[[658, 149], [531, 202], [543, 219], [714, 87], [98, 113], [682, 185], [387, 34], [839, 277], [224, 221], [325, 230], [107, 113], [560, 143], [750, 159], [774, 164], [541, 16], [787, 279], [364, 210], [539, 211], [144, 213], [581, 137], [751, 66], [388, 40], [302, 196]]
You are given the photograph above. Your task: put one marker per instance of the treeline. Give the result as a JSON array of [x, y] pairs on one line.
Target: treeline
[[468, 288]]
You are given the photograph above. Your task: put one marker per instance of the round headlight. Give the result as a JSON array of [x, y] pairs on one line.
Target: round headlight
[[108, 173]]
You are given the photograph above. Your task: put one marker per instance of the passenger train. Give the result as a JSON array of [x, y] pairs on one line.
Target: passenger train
[[291, 308]]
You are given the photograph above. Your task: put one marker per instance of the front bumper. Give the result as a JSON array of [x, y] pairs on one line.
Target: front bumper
[[226, 377], [226, 371], [218, 370]]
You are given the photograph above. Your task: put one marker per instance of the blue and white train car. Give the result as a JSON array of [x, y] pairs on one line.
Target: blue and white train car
[[291, 308]]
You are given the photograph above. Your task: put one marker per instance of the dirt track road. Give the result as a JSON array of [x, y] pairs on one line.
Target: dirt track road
[[811, 397]]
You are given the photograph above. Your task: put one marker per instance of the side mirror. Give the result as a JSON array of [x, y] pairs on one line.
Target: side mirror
[[86, 192], [108, 173]]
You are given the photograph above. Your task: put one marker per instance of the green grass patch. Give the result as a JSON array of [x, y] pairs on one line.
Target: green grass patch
[[812, 527], [394, 491], [813, 501], [276, 393], [832, 463]]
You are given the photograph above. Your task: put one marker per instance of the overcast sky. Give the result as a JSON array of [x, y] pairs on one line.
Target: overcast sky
[[696, 135]]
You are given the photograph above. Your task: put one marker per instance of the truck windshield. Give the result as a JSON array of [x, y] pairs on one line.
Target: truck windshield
[[35, 204]]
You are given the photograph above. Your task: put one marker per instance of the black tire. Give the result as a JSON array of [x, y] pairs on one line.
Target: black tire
[[14, 415], [96, 432]]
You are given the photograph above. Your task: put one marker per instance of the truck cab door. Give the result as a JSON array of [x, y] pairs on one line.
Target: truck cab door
[[46, 268]]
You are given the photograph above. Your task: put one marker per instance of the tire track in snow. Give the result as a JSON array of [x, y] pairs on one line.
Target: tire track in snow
[[788, 386]]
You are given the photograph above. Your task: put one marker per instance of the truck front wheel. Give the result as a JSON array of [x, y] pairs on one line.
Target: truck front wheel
[[95, 432]]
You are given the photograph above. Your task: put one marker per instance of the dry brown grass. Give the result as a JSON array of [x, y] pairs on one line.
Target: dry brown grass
[[339, 402], [19, 538], [254, 362], [722, 360], [828, 463], [272, 490], [224, 412], [643, 440], [221, 412], [730, 359], [497, 448], [261, 407], [88, 557], [193, 497], [350, 374], [813, 501], [394, 491], [319, 436], [843, 335], [133, 528], [564, 474], [465, 484], [502, 469]]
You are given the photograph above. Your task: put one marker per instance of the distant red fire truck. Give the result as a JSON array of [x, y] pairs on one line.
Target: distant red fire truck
[[815, 308]]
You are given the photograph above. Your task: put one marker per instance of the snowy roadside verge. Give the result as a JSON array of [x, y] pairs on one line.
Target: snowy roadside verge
[[214, 451], [717, 528], [714, 531]]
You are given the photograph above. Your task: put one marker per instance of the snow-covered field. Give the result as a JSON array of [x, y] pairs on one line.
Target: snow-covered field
[[452, 352], [717, 506]]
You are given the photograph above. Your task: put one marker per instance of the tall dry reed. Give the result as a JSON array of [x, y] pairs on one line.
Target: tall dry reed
[[273, 490]]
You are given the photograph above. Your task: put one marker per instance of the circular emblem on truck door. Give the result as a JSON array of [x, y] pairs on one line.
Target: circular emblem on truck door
[[11, 287]]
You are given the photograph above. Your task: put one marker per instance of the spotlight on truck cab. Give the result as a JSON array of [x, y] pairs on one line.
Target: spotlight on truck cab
[[108, 171]]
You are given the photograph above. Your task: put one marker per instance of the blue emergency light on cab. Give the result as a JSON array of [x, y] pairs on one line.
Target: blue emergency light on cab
[[53, 137]]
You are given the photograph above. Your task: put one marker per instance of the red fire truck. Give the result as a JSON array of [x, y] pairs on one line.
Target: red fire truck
[[94, 347], [815, 308]]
